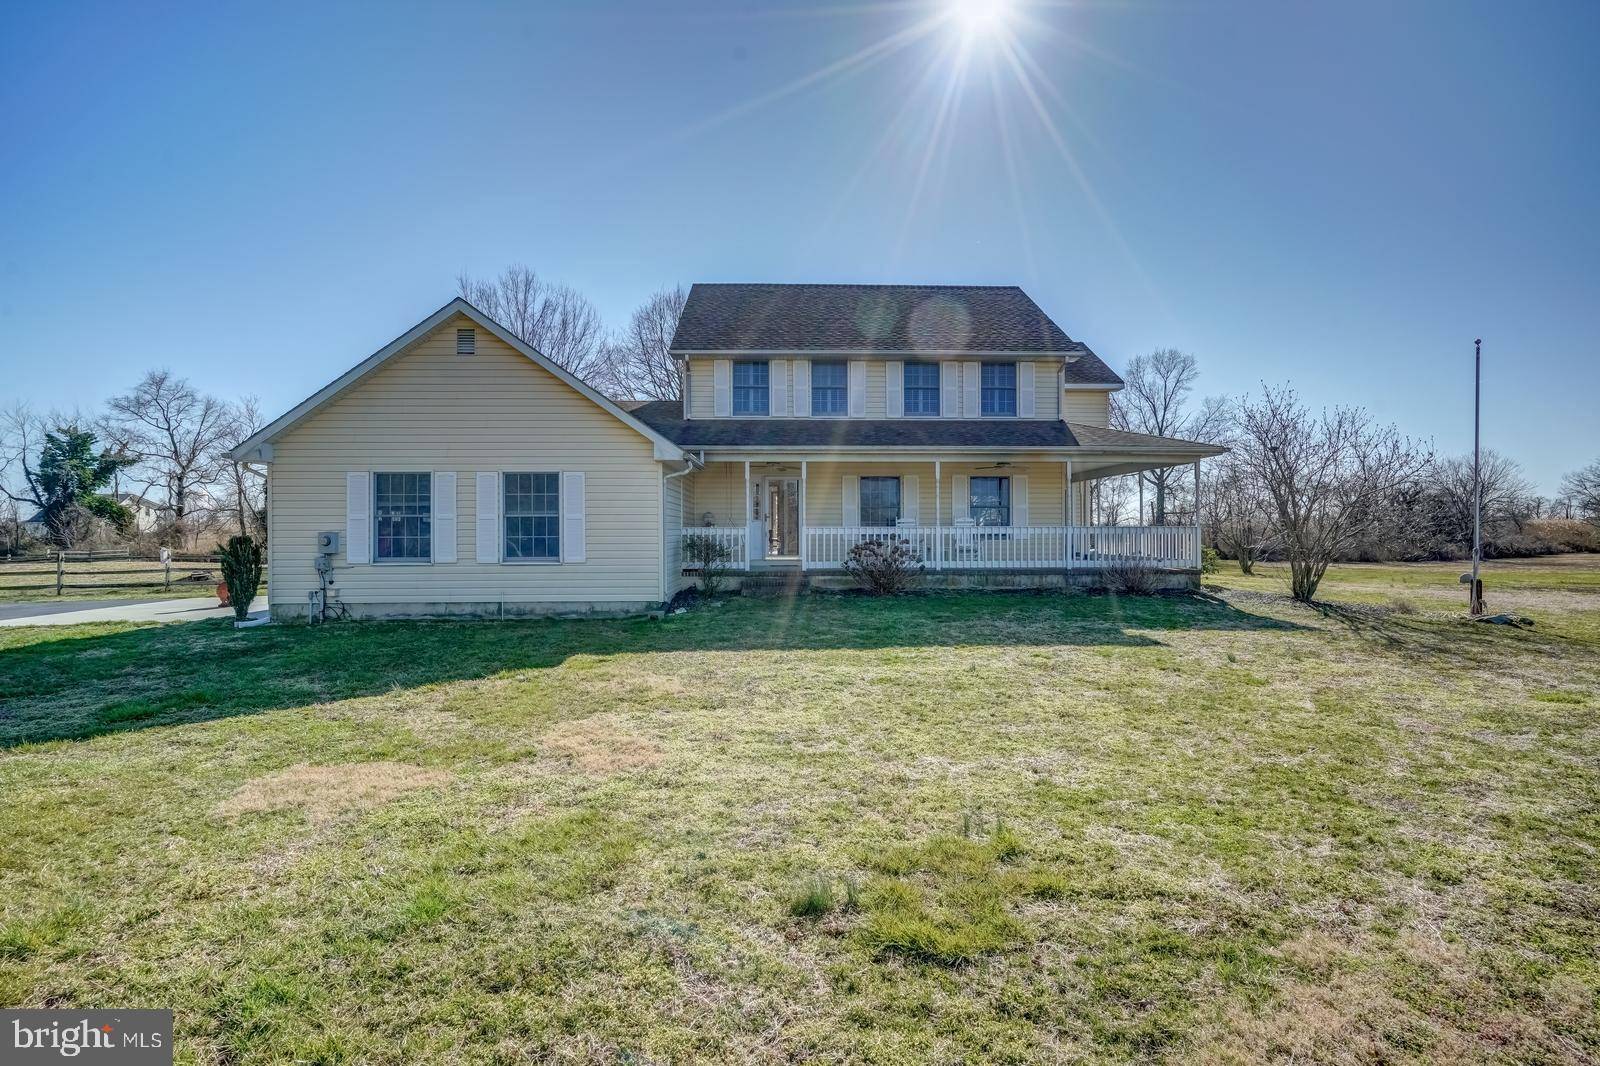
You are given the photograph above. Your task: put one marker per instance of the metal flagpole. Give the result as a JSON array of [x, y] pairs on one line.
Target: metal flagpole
[[1476, 599]]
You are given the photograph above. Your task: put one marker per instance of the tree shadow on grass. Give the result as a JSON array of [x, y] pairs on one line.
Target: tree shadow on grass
[[1462, 643], [83, 682]]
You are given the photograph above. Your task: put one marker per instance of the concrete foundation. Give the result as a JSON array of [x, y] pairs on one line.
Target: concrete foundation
[[477, 610], [833, 580]]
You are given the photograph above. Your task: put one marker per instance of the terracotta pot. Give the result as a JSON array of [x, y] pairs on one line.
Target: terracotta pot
[[222, 594]]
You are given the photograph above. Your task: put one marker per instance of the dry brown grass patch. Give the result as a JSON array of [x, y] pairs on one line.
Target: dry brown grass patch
[[324, 792], [599, 745]]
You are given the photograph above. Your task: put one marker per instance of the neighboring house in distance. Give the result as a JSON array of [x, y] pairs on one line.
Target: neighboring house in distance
[[146, 515], [465, 474]]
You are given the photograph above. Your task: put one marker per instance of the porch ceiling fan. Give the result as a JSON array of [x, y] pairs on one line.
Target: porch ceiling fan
[[1003, 464]]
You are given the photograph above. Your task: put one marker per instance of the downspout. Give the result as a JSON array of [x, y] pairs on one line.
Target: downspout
[[691, 464]]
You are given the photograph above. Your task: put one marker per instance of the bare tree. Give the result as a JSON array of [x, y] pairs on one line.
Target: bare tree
[[1238, 511], [1111, 499], [1155, 400], [1507, 495], [1580, 492], [247, 484], [178, 436], [1331, 478], [556, 321], [641, 367], [10, 525]]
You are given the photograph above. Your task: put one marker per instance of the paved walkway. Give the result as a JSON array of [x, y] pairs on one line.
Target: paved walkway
[[76, 612]]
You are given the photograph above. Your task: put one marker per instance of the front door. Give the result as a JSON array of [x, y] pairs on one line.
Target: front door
[[781, 496]]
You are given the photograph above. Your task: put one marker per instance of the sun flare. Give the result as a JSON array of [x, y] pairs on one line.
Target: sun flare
[[979, 17]]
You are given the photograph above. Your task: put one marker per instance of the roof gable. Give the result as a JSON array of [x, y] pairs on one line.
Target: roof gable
[[258, 447]]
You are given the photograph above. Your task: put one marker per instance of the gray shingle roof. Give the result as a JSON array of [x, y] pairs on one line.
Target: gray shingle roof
[[878, 319], [666, 418]]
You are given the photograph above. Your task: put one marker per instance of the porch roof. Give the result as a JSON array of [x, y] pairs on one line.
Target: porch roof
[[849, 434]]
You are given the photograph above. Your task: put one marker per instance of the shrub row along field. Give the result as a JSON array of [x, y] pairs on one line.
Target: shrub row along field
[[945, 827]]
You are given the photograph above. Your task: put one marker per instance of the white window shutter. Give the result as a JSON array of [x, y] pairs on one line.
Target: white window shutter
[[778, 388], [894, 387], [1019, 500], [801, 397], [444, 516], [574, 526], [358, 517], [852, 500], [910, 501], [722, 388], [488, 528], [858, 389], [950, 390], [960, 499], [972, 372], [1025, 390]]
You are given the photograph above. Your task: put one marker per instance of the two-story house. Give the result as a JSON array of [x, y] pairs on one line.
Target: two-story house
[[461, 472]]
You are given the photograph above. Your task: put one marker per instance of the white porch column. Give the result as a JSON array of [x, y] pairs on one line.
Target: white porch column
[[1071, 515], [1197, 549], [749, 539], [938, 506], [803, 536]]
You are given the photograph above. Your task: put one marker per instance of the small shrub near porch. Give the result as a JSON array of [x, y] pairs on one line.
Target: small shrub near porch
[[710, 557], [883, 566]]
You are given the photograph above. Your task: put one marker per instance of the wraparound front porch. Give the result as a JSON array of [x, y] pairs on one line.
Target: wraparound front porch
[[964, 513]]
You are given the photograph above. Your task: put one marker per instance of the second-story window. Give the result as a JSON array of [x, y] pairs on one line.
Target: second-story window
[[999, 389], [830, 388], [922, 388], [750, 389]]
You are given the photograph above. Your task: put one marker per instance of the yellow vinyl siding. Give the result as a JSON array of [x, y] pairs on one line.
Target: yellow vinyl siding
[[429, 409], [672, 498], [716, 489], [1091, 407], [1047, 401]]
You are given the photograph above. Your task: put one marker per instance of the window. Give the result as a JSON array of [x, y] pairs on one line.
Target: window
[[830, 388], [533, 516], [922, 388], [402, 511], [466, 342], [999, 388], [990, 501], [880, 501], [749, 388]]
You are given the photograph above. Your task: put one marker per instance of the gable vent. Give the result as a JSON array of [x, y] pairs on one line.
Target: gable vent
[[466, 342]]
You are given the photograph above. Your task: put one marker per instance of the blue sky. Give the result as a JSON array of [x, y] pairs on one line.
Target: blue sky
[[1342, 196]]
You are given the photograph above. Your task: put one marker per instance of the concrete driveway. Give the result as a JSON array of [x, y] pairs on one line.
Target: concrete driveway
[[76, 612]]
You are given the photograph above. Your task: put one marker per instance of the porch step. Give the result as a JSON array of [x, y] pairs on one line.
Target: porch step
[[773, 583]]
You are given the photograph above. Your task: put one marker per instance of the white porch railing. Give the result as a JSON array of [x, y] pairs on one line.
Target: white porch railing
[[735, 538], [987, 547], [827, 546], [1015, 547], [1176, 547]]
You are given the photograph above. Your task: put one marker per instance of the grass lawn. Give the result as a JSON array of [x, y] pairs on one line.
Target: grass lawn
[[953, 827]]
